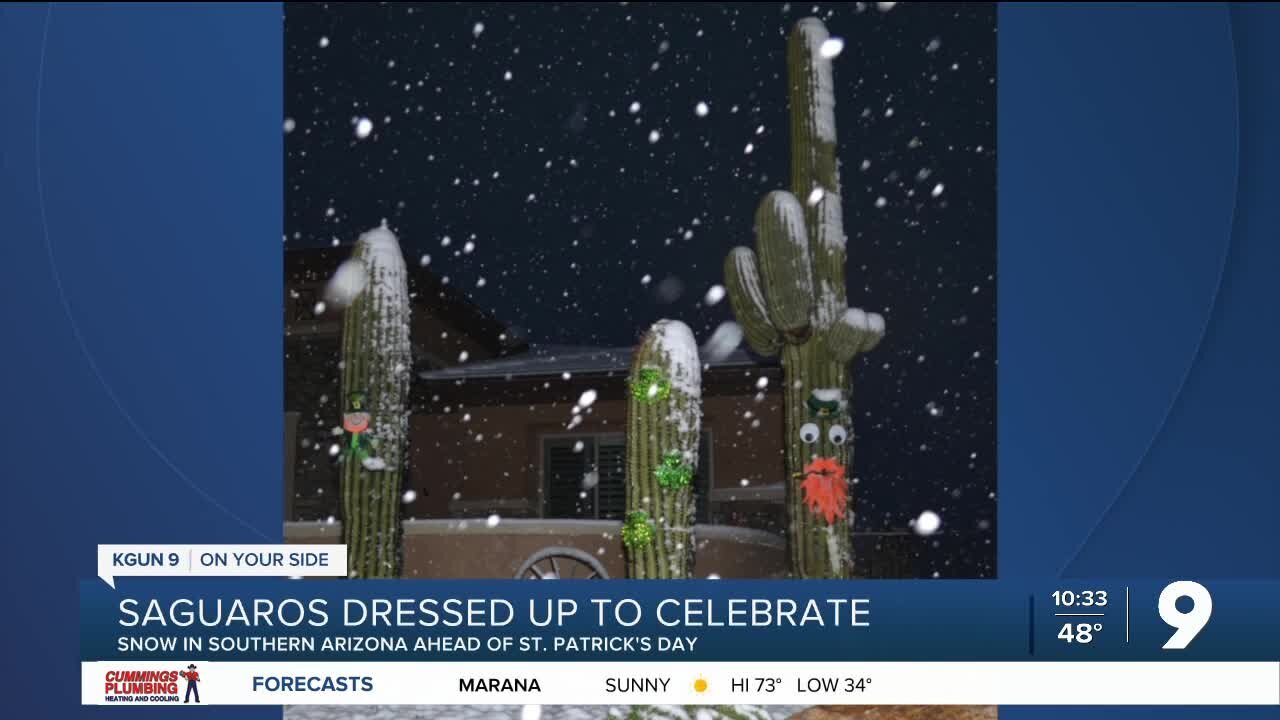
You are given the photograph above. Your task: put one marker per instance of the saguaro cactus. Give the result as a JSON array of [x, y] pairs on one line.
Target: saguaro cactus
[[375, 385], [664, 420], [789, 296]]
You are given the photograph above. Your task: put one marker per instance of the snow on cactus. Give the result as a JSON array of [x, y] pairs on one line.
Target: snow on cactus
[[376, 363], [789, 296], [664, 422]]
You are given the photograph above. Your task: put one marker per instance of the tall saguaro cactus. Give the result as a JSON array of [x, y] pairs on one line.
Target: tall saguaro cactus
[[664, 421], [789, 296], [376, 364]]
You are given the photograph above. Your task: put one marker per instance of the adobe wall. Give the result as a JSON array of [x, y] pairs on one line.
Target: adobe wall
[[494, 451], [472, 549]]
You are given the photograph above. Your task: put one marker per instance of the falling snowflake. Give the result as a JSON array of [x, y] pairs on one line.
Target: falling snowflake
[[493, 520], [347, 282], [831, 47], [409, 496], [937, 190], [726, 338], [364, 126], [587, 399], [927, 523], [701, 109], [715, 294], [654, 136], [816, 195]]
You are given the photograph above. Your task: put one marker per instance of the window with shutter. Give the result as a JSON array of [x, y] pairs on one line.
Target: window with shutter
[[702, 483], [611, 490], [567, 464], [564, 470]]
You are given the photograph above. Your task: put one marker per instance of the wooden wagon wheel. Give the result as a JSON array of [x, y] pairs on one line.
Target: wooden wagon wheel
[[561, 563]]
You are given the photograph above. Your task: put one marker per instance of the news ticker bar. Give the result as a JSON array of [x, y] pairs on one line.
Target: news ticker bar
[[494, 621], [686, 683]]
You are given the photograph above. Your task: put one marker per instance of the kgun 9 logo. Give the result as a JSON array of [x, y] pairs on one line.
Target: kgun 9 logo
[[1188, 624]]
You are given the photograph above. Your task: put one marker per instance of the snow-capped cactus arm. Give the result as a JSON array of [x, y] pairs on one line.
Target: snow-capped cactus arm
[[815, 173], [856, 331], [783, 249], [746, 296]]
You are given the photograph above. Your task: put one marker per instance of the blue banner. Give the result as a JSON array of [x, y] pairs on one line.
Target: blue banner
[[567, 620]]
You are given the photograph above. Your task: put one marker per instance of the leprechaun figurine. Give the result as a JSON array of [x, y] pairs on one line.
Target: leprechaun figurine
[[356, 423]]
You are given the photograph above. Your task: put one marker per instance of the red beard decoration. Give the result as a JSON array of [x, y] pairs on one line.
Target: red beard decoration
[[825, 490]]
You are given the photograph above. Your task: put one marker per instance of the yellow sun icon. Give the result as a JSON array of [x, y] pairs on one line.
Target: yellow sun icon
[[700, 685]]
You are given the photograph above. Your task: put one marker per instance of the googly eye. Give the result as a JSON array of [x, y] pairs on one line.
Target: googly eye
[[809, 433], [837, 434]]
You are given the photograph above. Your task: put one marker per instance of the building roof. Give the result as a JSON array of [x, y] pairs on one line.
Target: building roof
[[311, 266], [554, 360]]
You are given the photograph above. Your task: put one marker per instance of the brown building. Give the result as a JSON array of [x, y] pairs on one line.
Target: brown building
[[503, 437], [500, 465]]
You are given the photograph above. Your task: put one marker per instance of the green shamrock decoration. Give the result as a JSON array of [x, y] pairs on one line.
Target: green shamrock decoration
[[637, 531], [650, 385], [673, 473]]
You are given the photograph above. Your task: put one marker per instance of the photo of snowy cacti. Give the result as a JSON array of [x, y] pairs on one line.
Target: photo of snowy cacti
[[605, 290], [616, 290]]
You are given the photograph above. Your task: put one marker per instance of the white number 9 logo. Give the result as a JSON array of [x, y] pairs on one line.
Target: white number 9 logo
[[1188, 624]]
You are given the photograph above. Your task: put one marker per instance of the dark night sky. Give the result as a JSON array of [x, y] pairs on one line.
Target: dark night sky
[[570, 205]]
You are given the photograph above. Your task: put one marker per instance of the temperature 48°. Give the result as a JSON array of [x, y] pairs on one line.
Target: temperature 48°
[[1081, 633]]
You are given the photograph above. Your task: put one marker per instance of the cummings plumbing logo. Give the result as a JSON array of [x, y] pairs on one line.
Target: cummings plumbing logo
[[152, 686]]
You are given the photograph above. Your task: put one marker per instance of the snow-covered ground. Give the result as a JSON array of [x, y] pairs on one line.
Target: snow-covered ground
[[517, 712]]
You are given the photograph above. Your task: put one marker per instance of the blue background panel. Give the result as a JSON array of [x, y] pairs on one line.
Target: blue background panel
[[140, 211]]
